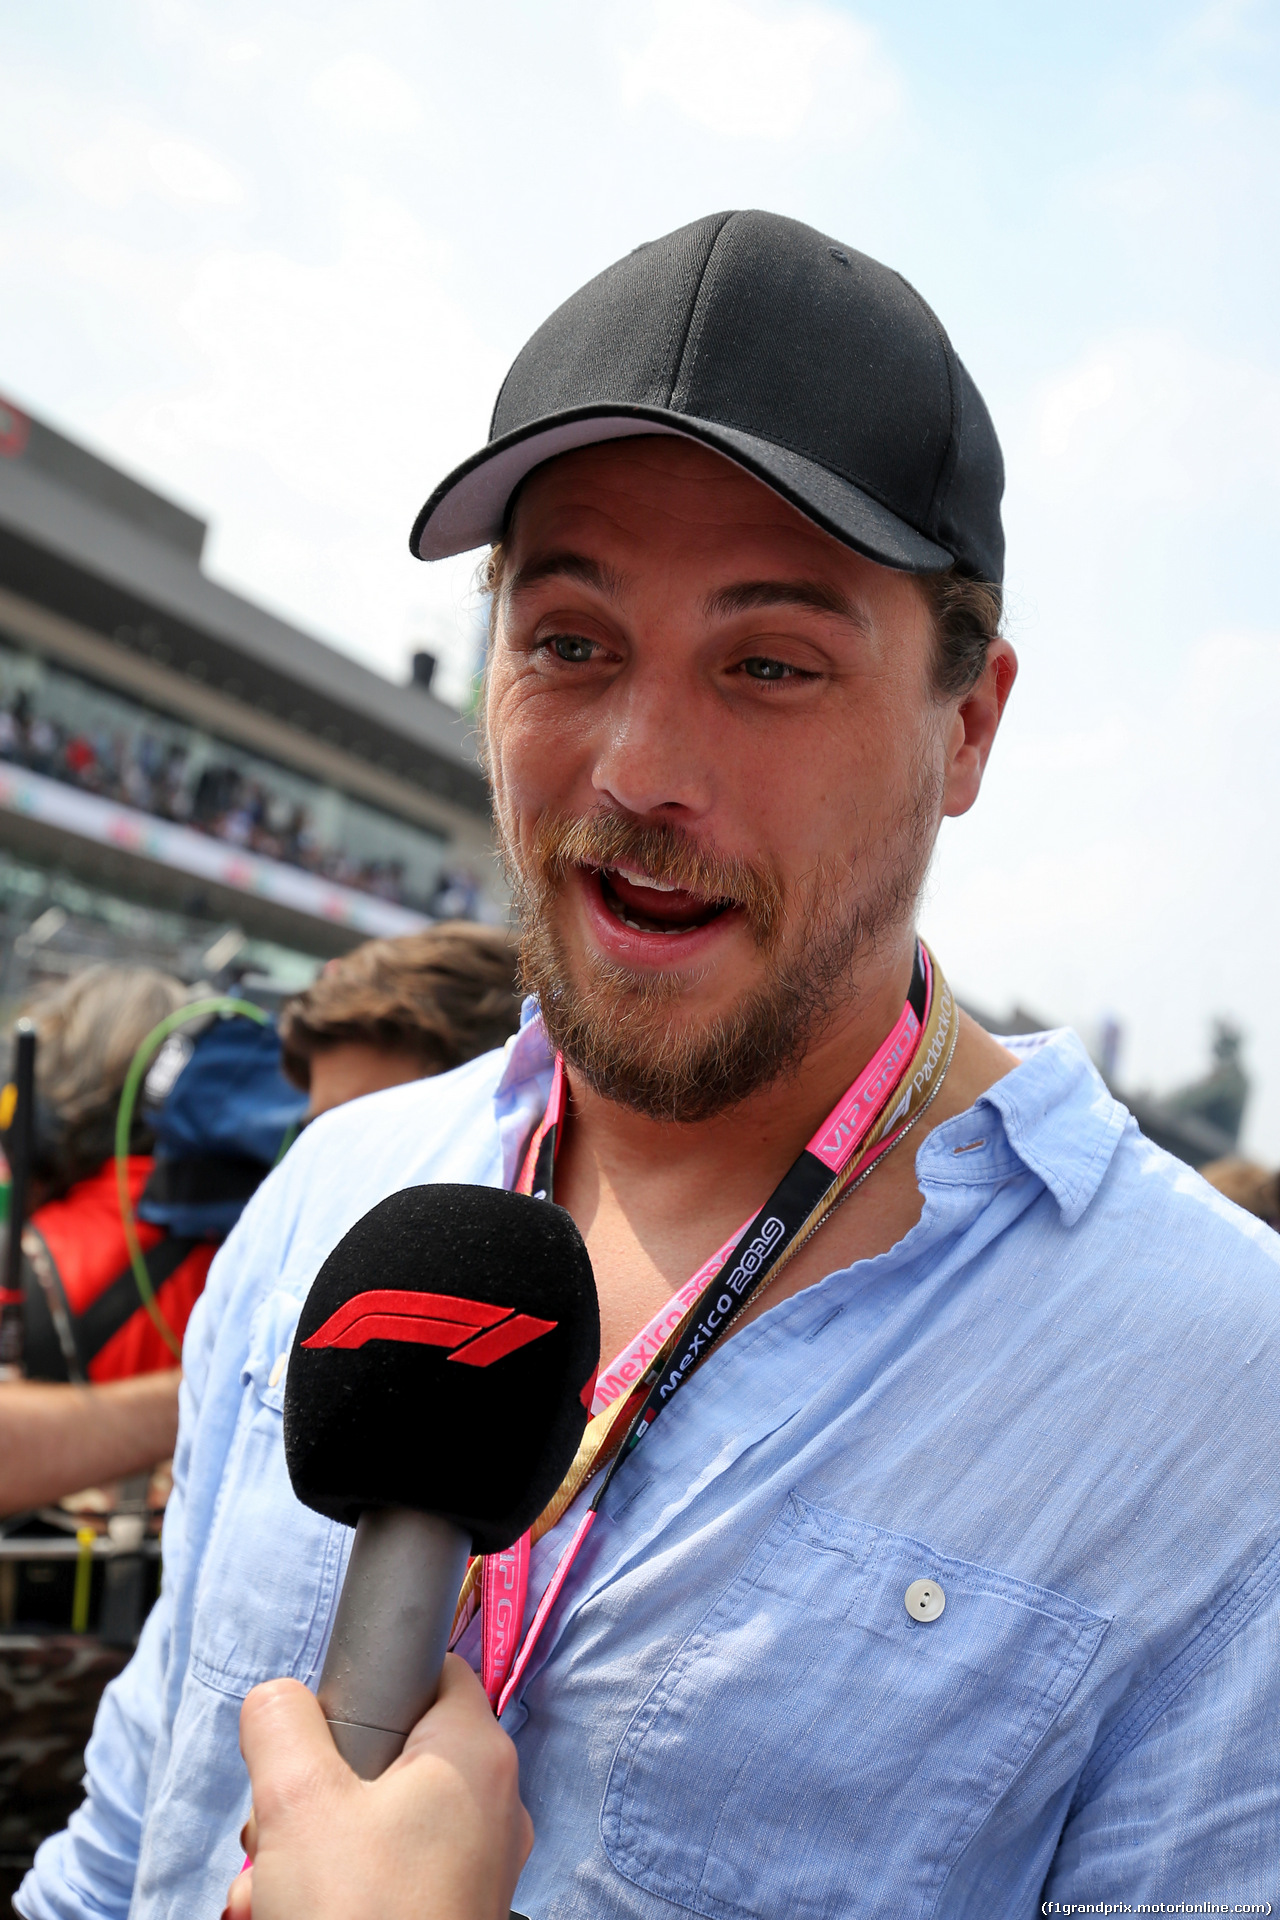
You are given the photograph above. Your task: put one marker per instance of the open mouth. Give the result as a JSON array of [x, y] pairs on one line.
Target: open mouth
[[647, 905]]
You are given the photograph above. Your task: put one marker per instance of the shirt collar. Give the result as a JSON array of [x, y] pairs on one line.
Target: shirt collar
[[524, 1086], [1057, 1117], [1055, 1111]]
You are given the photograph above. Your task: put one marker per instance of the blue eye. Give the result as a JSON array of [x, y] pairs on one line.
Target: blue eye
[[571, 647]]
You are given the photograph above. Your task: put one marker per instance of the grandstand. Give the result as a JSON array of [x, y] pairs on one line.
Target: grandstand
[[185, 775]]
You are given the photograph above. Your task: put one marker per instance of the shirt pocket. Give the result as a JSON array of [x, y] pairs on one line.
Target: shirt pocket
[[812, 1750], [269, 1578]]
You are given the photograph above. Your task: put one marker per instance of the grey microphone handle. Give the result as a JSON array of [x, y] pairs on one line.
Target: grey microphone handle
[[395, 1614]]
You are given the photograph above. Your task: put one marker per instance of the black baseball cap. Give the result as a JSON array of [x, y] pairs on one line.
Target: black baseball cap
[[820, 371]]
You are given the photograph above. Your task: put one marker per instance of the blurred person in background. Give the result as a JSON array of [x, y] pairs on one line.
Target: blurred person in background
[[53, 1439], [398, 1010], [88, 1029], [1248, 1185], [100, 1401], [57, 1440]]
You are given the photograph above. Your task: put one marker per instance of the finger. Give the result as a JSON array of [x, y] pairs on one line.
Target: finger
[[287, 1747], [524, 1835], [460, 1687], [461, 1711], [240, 1898]]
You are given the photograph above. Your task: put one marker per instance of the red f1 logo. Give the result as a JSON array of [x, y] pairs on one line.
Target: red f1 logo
[[479, 1334]]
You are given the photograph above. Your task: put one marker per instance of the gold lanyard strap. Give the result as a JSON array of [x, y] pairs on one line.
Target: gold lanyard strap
[[594, 1450]]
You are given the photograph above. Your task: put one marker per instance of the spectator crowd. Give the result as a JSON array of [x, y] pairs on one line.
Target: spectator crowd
[[171, 781]]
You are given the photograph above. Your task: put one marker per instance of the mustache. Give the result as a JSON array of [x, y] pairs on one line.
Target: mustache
[[665, 853]]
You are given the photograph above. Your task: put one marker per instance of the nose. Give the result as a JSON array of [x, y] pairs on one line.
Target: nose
[[656, 748]]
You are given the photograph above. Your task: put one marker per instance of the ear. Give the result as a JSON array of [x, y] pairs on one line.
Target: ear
[[973, 729]]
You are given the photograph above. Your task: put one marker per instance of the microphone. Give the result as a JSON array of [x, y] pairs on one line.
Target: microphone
[[438, 1388]]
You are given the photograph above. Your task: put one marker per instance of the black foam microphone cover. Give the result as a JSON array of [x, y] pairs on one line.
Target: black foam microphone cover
[[444, 1361]]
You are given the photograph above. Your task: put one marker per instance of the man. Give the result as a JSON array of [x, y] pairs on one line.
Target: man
[[395, 1010], [941, 1582]]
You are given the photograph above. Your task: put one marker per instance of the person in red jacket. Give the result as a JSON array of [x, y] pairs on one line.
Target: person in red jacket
[[215, 1114], [85, 1319], [82, 1324], [77, 1242]]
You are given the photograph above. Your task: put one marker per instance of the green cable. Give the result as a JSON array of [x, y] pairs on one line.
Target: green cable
[[85, 1537], [223, 1003]]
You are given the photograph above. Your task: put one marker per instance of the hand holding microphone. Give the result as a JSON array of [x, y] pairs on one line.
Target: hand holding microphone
[[441, 1836]]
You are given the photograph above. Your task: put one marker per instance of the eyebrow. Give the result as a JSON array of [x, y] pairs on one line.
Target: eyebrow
[[746, 596], [749, 595], [563, 564]]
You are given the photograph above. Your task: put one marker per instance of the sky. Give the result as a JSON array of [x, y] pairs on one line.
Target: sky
[[275, 259]]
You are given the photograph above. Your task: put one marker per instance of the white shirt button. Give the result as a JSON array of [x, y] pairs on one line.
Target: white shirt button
[[924, 1600]]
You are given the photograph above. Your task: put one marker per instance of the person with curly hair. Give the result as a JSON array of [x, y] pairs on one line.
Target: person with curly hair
[[398, 1010]]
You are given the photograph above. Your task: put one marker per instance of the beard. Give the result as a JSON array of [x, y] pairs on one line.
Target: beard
[[621, 1029]]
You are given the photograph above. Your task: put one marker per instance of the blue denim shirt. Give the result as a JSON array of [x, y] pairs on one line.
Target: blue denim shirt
[[1058, 1398]]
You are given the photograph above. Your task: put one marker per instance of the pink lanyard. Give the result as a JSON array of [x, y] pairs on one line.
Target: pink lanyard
[[504, 1583], [505, 1577]]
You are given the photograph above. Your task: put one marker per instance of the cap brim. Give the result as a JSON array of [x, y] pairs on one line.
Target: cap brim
[[468, 509]]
